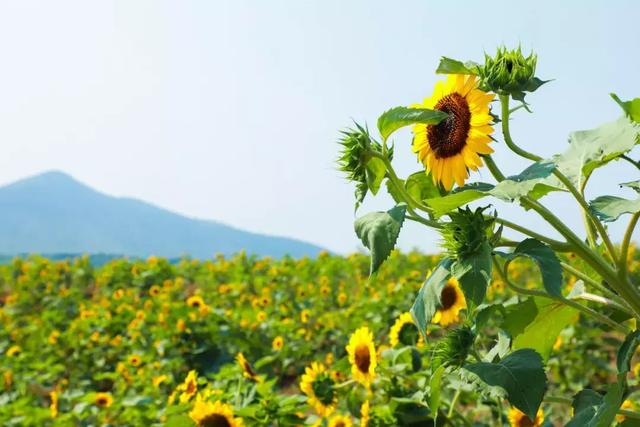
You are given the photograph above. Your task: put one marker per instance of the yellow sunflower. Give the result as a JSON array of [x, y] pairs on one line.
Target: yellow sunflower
[[14, 350], [451, 302], [103, 400], [364, 414], [449, 149], [53, 407], [277, 343], [404, 331], [189, 387], [340, 421], [519, 419], [362, 356], [627, 404], [207, 414], [247, 370], [317, 384]]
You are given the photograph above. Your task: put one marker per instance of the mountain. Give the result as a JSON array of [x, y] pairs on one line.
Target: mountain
[[53, 213]]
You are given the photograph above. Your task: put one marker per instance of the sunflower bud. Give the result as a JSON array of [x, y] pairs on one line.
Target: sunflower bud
[[509, 72], [357, 146], [453, 349], [467, 231]]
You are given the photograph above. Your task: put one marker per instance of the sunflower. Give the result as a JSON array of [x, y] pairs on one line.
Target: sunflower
[[362, 356], [14, 350], [195, 301], [519, 419], [364, 414], [189, 387], [103, 400], [247, 370], [627, 404], [449, 149], [53, 407], [404, 331], [278, 343], [317, 384], [216, 414], [135, 360], [340, 421], [451, 302]]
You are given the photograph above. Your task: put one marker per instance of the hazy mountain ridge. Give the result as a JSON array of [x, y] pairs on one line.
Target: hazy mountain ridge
[[54, 213]]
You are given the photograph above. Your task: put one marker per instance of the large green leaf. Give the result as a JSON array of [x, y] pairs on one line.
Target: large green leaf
[[547, 261], [529, 182], [379, 232], [518, 316], [428, 299], [520, 374], [398, 117], [626, 352], [434, 394], [590, 149], [541, 333], [630, 108], [453, 66], [474, 274], [593, 410], [375, 172], [610, 208], [453, 200], [420, 186]]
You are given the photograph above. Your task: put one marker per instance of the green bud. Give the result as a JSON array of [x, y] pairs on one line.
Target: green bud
[[453, 349], [509, 71], [467, 231]]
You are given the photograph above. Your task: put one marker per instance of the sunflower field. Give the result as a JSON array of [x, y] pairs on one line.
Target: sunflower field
[[262, 342]]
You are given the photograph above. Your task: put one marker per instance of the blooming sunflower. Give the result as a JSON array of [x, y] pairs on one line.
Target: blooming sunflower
[[404, 331], [449, 149], [364, 414], [362, 356], [103, 400], [340, 421], [317, 384], [216, 414], [189, 387], [519, 419], [247, 370], [451, 302], [53, 407], [278, 343]]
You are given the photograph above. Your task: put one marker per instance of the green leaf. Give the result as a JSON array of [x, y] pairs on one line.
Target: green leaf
[[434, 394], [379, 232], [500, 349], [445, 204], [375, 172], [529, 182], [626, 352], [592, 410], [453, 66], [474, 274], [547, 261], [519, 316], [551, 318], [634, 185], [610, 208], [393, 191], [179, 421], [420, 186], [428, 299], [630, 108], [590, 149], [520, 374], [398, 117]]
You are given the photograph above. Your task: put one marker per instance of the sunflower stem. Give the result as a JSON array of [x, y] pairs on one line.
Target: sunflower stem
[[624, 248], [504, 103], [599, 286]]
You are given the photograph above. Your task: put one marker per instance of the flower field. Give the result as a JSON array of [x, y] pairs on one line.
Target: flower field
[[261, 342]]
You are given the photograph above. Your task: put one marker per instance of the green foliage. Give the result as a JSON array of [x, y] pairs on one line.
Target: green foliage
[[453, 349], [520, 374], [593, 410], [453, 66], [626, 352], [630, 108], [399, 117], [610, 208], [547, 261], [379, 232], [474, 273], [428, 299]]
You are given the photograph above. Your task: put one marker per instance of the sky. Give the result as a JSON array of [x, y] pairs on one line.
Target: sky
[[230, 110]]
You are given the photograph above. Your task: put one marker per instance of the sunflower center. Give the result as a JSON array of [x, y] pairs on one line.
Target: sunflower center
[[340, 424], [363, 358], [408, 334], [525, 422], [215, 420], [448, 297], [449, 137]]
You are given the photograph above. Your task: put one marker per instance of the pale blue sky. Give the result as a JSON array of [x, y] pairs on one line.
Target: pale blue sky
[[230, 110]]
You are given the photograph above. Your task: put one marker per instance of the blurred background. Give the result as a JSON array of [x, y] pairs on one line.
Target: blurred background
[[230, 110]]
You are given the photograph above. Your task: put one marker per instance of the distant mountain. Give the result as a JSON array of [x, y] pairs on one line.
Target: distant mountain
[[53, 213]]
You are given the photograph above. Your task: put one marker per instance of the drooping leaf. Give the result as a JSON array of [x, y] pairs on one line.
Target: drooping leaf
[[434, 395], [398, 117], [634, 185], [474, 274], [589, 411], [485, 312], [379, 232], [630, 108], [393, 191], [610, 208], [428, 299], [453, 66], [420, 186], [547, 261], [519, 316], [590, 149], [520, 374], [375, 172], [626, 352], [541, 334], [445, 204]]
